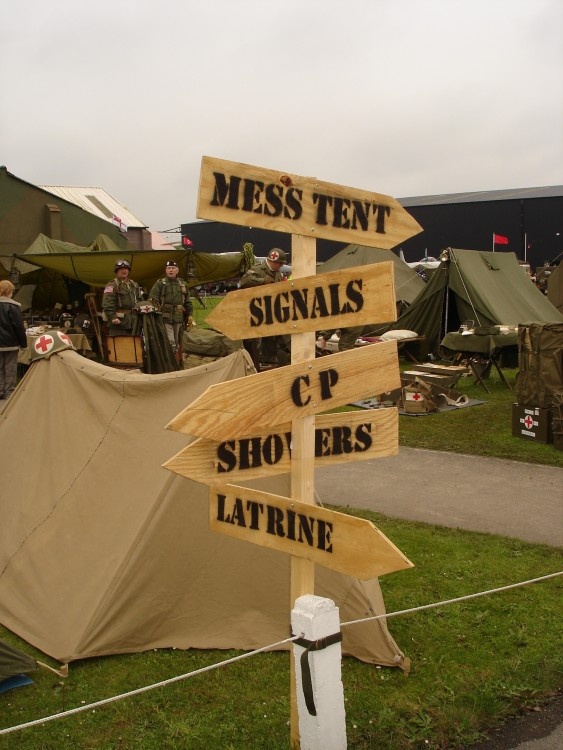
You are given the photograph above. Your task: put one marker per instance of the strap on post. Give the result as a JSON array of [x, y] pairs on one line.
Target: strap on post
[[306, 678]]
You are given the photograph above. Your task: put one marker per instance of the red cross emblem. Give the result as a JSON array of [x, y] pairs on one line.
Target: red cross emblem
[[44, 344], [65, 338], [145, 308], [528, 422], [416, 396]]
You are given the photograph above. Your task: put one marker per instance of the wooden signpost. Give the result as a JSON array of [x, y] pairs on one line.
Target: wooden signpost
[[237, 407], [256, 197], [350, 545], [250, 425], [332, 300], [351, 435]]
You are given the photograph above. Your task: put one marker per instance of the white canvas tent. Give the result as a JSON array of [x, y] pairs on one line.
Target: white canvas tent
[[103, 551]]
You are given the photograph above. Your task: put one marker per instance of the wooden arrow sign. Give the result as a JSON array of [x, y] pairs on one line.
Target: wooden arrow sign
[[350, 545], [252, 196], [346, 436], [238, 407], [349, 297]]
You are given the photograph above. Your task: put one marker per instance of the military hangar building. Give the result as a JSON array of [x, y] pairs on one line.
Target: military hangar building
[[530, 219]]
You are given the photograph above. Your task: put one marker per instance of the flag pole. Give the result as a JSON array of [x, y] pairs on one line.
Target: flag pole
[[493, 242]]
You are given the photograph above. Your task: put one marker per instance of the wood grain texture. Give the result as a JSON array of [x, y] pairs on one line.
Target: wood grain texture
[[350, 545], [348, 297], [253, 196], [238, 407], [341, 437]]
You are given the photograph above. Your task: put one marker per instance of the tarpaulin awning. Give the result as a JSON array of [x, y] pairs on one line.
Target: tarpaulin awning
[[95, 267]]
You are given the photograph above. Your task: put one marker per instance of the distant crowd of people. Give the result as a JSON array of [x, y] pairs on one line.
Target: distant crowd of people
[[122, 299]]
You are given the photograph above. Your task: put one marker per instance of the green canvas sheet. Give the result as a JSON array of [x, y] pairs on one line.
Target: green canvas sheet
[[13, 661], [94, 266]]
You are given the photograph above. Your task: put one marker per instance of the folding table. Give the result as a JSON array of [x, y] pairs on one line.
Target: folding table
[[466, 346]]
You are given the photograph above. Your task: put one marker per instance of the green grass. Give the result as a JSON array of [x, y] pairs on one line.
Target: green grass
[[200, 313], [483, 430], [473, 664]]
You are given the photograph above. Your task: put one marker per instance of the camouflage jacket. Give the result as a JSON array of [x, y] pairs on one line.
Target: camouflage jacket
[[173, 296], [258, 274], [120, 297]]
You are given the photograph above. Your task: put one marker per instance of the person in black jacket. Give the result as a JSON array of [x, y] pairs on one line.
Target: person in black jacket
[[12, 338]]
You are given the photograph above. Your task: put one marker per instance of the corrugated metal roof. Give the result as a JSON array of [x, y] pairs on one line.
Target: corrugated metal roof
[[553, 191], [97, 202]]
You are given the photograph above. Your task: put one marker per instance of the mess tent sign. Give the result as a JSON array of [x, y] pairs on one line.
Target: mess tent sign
[[253, 196]]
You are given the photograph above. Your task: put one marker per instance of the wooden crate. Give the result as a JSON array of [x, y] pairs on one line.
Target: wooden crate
[[124, 350], [446, 381], [436, 369]]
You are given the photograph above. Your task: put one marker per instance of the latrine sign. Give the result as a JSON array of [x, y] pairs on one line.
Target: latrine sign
[[350, 545]]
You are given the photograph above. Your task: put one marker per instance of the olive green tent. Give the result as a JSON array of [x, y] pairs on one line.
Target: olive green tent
[[408, 284], [484, 287], [14, 662], [555, 288]]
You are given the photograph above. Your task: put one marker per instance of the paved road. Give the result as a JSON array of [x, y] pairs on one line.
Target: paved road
[[468, 492], [489, 495]]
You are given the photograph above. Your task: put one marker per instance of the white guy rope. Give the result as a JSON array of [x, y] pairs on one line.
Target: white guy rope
[[226, 662], [138, 691], [451, 601]]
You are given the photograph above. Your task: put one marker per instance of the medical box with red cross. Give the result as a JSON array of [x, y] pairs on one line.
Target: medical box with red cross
[[531, 422]]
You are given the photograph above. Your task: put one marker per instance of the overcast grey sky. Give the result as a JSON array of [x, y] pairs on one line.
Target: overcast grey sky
[[401, 97]]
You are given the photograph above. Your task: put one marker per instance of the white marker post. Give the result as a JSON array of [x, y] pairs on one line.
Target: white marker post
[[317, 663], [304, 260]]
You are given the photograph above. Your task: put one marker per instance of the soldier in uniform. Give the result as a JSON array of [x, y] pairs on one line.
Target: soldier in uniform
[[121, 296], [271, 349], [173, 296]]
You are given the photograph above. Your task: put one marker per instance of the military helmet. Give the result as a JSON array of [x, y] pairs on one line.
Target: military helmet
[[171, 263], [49, 343], [122, 264], [277, 256]]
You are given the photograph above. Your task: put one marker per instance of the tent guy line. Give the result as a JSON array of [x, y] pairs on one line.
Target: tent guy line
[[271, 646], [456, 600]]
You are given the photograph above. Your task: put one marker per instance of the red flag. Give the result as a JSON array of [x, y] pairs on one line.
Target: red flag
[[498, 239], [119, 222]]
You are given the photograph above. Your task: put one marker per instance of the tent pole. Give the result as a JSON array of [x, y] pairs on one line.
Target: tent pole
[[447, 307]]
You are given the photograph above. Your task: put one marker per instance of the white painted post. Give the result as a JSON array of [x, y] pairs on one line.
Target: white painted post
[[316, 618]]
